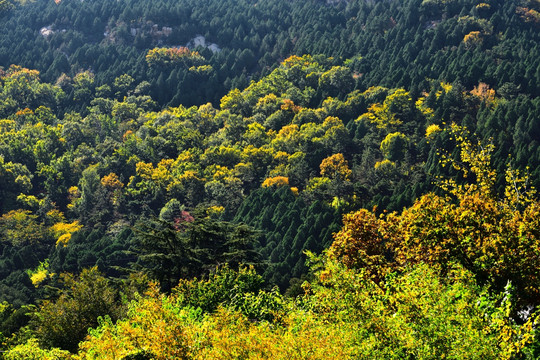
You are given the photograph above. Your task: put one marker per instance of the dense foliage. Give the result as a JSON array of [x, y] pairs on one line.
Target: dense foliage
[[168, 170], [389, 43]]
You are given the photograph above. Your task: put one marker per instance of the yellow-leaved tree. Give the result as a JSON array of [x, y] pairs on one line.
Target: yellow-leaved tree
[[493, 236], [496, 237], [336, 167]]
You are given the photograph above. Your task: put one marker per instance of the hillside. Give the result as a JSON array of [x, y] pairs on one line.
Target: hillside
[[392, 44], [215, 149]]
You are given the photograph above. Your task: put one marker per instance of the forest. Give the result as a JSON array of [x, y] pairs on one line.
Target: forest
[[280, 179]]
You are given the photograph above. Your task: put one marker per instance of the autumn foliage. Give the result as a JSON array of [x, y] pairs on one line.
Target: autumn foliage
[[496, 239], [359, 243], [275, 181], [172, 56], [447, 277], [336, 167]]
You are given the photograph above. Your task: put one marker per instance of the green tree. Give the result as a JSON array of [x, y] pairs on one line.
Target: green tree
[[189, 247], [64, 322], [394, 146]]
